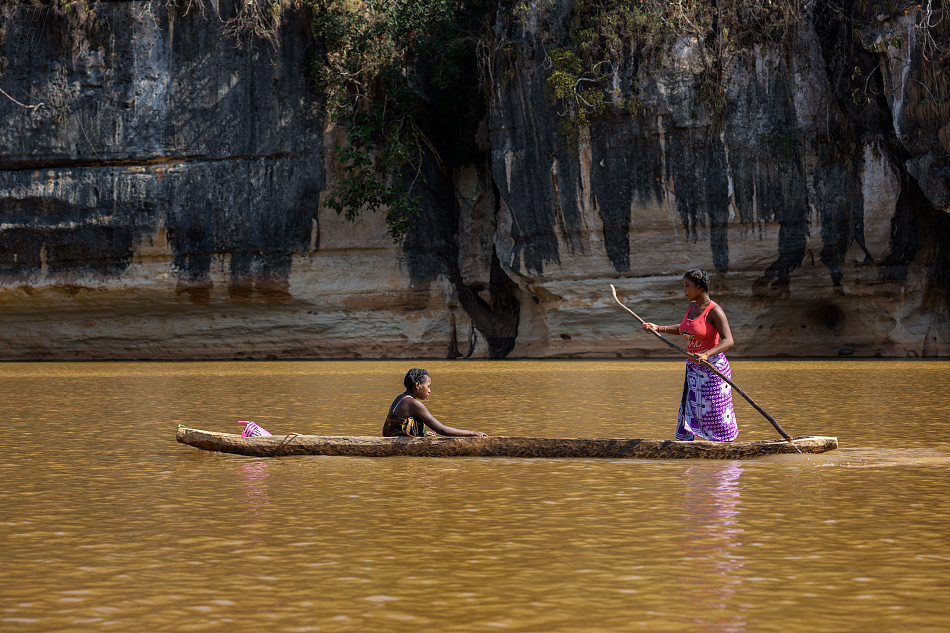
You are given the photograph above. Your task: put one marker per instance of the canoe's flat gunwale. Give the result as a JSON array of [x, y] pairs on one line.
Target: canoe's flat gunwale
[[494, 446]]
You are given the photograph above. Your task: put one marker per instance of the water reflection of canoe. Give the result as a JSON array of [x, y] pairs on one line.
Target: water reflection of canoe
[[494, 446]]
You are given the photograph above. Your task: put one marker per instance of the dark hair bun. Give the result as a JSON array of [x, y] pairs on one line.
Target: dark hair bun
[[699, 276], [414, 376]]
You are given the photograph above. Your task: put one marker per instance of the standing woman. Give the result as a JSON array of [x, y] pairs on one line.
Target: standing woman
[[706, 407]]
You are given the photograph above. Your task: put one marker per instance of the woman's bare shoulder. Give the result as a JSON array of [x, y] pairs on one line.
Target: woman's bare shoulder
[[415, 405], [717, 314]]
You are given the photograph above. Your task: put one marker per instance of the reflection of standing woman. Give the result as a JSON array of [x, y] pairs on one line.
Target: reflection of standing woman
[[706, 408]]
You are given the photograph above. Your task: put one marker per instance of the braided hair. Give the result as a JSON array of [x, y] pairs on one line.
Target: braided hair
[[698, 276], [413, 376]]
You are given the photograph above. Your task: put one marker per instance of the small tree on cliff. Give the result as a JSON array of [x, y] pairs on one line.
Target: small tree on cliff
[[379, 60]]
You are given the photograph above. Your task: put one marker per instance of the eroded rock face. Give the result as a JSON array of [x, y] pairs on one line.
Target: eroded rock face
[[811, 249], [166, 173], [164, 202]]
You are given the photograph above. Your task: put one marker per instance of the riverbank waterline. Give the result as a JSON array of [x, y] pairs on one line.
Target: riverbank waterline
[[110, 524]]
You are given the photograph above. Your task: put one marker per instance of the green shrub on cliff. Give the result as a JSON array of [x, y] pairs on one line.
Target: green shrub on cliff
[[566, 86], [380, 61]]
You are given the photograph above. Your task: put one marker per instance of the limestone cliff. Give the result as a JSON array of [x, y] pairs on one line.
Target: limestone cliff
[[161, 186]]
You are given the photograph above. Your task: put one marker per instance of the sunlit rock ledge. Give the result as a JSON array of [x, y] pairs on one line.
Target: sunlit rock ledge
[[164, 203]]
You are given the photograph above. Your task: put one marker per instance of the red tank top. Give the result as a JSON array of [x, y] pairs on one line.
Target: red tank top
[[701, 336]]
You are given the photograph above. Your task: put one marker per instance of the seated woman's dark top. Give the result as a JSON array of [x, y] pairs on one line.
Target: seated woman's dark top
[[395, 426]]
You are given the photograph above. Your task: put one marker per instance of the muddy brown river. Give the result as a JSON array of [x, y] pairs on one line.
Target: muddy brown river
[[107, 524]]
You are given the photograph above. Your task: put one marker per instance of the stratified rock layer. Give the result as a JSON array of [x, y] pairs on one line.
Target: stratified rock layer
[[160, 188]]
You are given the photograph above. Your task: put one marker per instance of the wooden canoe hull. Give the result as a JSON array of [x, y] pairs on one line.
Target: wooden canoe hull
[[494, 446]]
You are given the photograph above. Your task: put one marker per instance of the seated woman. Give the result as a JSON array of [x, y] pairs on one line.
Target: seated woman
[[408, 416]]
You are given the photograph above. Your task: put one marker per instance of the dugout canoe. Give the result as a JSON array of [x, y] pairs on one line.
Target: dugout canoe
[[494, 446]]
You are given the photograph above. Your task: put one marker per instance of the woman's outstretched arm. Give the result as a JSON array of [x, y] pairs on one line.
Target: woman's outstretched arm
[[662, 329], [419, 412]]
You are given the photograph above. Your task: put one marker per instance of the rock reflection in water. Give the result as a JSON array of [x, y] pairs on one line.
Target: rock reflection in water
[[710, 580]]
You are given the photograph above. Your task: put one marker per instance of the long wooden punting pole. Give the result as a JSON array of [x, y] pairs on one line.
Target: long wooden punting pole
[[768, 417]]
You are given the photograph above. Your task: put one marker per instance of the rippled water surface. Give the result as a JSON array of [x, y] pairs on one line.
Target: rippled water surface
[[108, 524]]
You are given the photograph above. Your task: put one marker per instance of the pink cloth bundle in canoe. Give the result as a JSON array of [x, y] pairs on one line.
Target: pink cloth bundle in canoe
[[251, 429]]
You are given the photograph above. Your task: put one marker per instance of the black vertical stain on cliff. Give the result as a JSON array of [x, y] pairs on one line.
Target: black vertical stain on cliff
[[534, 217], [770, 186], [904, 239], [696, 168], [20, 252], [192, 241], [625, 171], [97, 240], [920, 233], [839, 203], [568, 198], [102, 250], [523, 148], [251, 106], [29, 219], [938, 238], [429, 246], [264, 273], [208, 142], [767, 170], [852, 121]]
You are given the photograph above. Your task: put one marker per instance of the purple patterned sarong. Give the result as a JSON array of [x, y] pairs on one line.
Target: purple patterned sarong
[[706, 408]]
